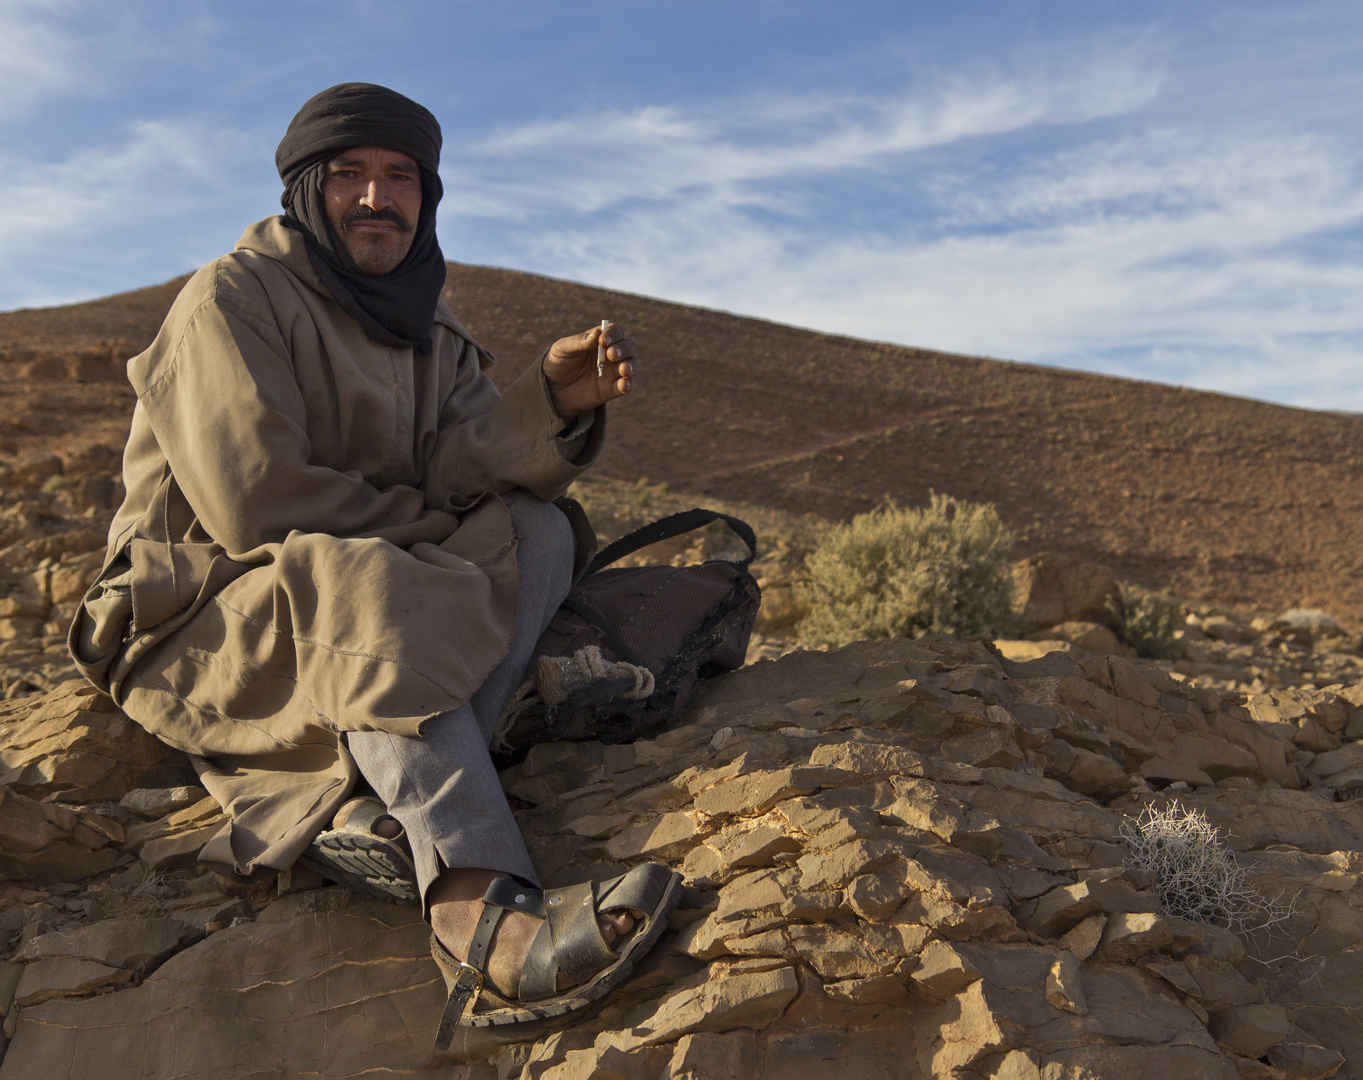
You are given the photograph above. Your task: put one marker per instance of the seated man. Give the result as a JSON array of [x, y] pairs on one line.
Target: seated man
[[338, 550]]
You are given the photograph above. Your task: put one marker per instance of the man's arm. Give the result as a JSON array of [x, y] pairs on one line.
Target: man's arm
[[534, 436]]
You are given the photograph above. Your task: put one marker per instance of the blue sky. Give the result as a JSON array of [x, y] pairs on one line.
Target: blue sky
[[1161, 190]]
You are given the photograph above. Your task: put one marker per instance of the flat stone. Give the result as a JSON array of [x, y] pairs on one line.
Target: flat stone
[[1177, 975], [1130, 935], [1084, 938], [607, 1062], [137, 944], [1063, 908], [751, 1000], [877, 990], [60, 977], [29, 825], [811, 906], [756, 845], [176, 851], [1220, 985], [1182, 1061], [877, 896], [330, 993], [837, 954], [758, 792], [666, 837], [752, 894], [1167, 771], [1304, 1061], [58, 861], [709, 1056], [10, 974], [153, 802], [944, 970], [834, 869], [1251, 1030]]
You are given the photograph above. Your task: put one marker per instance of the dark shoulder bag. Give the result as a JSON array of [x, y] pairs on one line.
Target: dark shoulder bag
[[622, 655]]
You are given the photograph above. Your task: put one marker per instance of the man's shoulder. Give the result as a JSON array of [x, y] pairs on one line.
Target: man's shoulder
[[253, 278]]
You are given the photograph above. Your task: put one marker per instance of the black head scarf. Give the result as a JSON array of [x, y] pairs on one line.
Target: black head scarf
[[396, 309]]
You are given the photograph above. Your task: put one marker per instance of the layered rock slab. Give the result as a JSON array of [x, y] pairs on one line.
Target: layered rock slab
[[902, 857], [334, 993]]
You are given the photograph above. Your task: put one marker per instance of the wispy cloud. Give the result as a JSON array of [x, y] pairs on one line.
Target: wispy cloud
[[1172, 253], [35, 57], [158, 178], [732, 150]]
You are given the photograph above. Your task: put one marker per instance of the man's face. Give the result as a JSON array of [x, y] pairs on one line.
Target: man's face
[[373, 197]]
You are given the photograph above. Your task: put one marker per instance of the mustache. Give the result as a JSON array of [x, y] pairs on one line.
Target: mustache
[[366, 213]]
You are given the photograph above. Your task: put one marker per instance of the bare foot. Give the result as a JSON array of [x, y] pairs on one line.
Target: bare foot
[[456, 902]]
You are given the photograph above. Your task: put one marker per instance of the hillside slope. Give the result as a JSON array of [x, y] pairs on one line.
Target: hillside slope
[[1212, 496]]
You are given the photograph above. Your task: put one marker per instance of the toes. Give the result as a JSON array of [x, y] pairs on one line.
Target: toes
[[616, 924]]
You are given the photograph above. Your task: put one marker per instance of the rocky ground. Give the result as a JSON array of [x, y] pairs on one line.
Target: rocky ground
[[902, 858]]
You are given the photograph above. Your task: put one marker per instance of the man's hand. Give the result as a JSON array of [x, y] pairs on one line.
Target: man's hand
[[570, 370]]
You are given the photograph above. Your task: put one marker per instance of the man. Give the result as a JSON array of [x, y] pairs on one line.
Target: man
[[338, 549]]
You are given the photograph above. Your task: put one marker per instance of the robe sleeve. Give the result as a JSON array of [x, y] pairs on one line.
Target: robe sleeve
[[516, 440], [222, 399]]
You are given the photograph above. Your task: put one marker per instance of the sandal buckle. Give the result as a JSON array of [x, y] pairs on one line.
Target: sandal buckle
[[469, 980]]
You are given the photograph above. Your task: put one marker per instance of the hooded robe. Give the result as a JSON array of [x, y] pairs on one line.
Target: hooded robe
[[312, 541]]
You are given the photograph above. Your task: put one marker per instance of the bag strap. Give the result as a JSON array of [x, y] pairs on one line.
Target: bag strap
[[665, 529]]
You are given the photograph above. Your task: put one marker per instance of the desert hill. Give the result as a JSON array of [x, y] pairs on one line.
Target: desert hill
[[1209, 495]]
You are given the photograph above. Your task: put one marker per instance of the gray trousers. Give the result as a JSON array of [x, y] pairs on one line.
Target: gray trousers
[[442, 787]]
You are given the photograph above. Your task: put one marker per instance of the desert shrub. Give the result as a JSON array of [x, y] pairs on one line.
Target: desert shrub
[[1147, 620], [1196, 875], [646, 493], [898, 572]]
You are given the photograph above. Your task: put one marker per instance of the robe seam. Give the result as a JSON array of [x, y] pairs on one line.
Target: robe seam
[[211, 660], [285, 743], [174, 362], [270, 626]]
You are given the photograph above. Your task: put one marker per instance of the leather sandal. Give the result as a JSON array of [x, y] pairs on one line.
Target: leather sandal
[[569, 941], [352, 853]]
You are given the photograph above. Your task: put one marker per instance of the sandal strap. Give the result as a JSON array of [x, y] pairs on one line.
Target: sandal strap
[[482, 935], [539, 973], [579, 949], [510, 894], [463, 982], [642, 888], [501, 896], [570, 940]]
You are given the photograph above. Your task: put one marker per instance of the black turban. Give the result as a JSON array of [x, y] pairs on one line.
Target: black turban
[[396, 309]]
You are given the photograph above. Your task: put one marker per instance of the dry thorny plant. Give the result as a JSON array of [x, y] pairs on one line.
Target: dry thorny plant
[[1196, 875]]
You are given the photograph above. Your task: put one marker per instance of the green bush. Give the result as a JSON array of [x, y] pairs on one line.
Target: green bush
[[892, 573], [1147, 620]]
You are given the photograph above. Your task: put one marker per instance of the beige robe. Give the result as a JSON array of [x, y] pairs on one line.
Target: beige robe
[[312, 540]]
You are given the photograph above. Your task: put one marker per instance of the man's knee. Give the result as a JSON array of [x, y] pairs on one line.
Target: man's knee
[[534, 518], [544, 533]]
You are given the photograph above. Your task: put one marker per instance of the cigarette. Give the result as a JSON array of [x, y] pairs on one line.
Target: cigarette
[[601, 350]]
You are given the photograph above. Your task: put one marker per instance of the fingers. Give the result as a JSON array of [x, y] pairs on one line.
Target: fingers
[[620, 349], [622, 352]]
